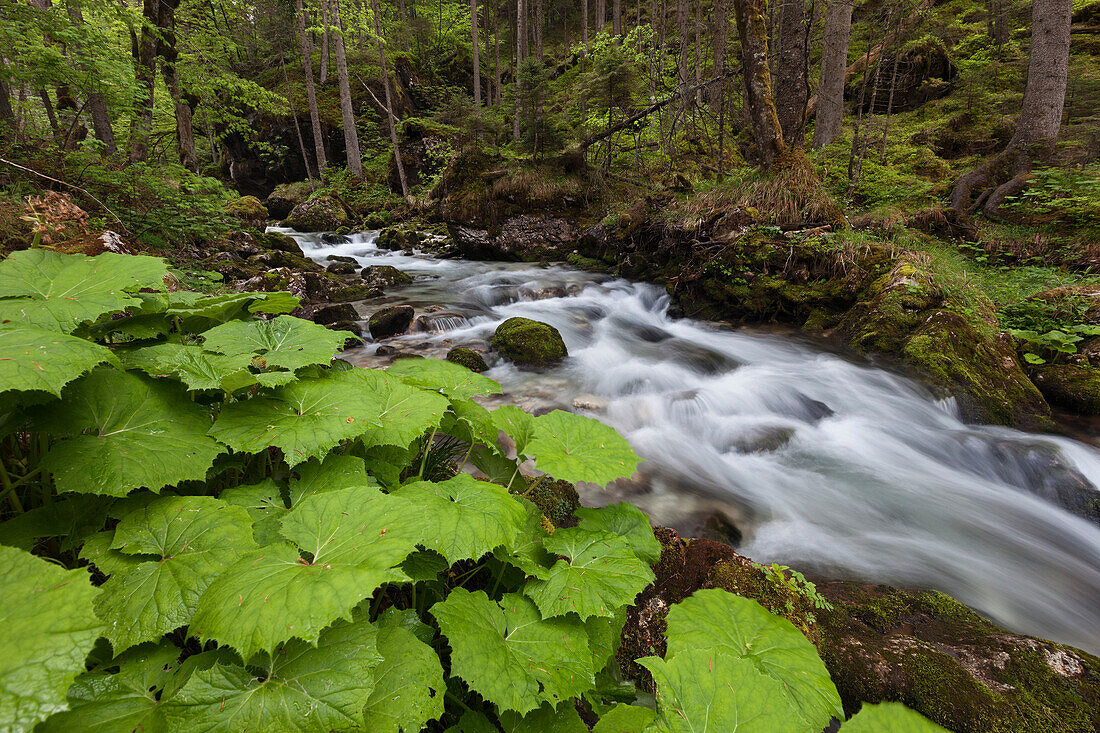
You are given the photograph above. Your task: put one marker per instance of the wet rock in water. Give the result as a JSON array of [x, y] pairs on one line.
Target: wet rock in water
[[1042, 470], [281, 201], [922, 648], [542, 292], [441, 322], [699, 358], [590, 402], [527, 342], [343, 268], [324, 286], [321, 214], [468, 358], [350, 327], [385, 276], [524, 238], [248, 209], [277, 258], [280, 243], [331, 313], [392, 321], [335, 238], [718, 527], [762, 440], [342, 258], [282, 278], [393, 239], [472, 243], [556, 499], [1075, 387]]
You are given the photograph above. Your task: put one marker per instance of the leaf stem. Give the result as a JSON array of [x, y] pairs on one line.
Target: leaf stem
[[427, 447]]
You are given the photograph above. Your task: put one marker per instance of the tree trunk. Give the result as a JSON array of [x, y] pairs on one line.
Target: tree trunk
[[538, 28], [7, 114], [790, 88], [998, 21], [721, 41], [617, 17], [311, 92], [389, 98], [682, 21], [834, 59], [521, 49], [404, 24], [347, 114], [324, 41], [97, 105], [601, 15], [699, 52], [143, 48], [47, 106], [166, 49], [474, 51], [297, 127], [1040, 114], [496, 58], [758, 81]]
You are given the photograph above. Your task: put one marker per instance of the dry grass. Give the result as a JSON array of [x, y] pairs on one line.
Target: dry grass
[[537, 187]]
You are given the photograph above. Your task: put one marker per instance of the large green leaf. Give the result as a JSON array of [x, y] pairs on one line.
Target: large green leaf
[[547, 719], [409, 690], [128, 432], [453, 380], [183, 543], [286, 341], [72, 519], [597, 574], [39, 359], [193, 365], [889, 717], [626, 520], [465, 517], [471, 423], [310, 417], [529, 552], [625, 719], [702, 691], [509, 654], [346, 543], [715, 620], [516, 424], [577, 448], [130, 699], [222, 308], [306, 688], [43, 288], [47, 628]]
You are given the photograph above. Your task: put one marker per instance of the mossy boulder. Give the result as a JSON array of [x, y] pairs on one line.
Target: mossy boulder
[[342, 268], [391, 321], [248, 209], [393, 239], [1075, 387], [281, 201], [468, 358], [320, 214], [385, 276], [335, 313], [530, 343], [279, 242]]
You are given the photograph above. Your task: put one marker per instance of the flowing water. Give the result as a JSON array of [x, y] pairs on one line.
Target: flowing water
[[824, 460]]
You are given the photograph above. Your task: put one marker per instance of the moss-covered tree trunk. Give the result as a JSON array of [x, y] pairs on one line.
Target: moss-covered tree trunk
[[166, 49], [96, 104], [834, 59], [1006, 174], [351, 135], [753, 32], [791, 92]]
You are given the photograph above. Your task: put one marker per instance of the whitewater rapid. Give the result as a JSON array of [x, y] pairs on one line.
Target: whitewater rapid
[[823, 459]]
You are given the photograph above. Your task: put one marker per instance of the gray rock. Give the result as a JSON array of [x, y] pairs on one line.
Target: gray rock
[[391, 321]]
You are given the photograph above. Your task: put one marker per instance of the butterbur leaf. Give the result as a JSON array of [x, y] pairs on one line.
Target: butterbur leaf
[[353, 540], [333, 473], [718, 621], [457, 382], [308, 688], [47, 628], [701, 691], [547, 719], [597, 574], [627, 521], [509, 654], [408, 620], [222, 308], [264, 504], [409, 690], [287, 342], [194, 366], [516, 424], [424, 565], [576, 448], [73, 520], [529, 551], [137, 433], [604, 637], [625, 719], [59, 292], [889, 717], [471, 423], [183, 543], [466, 517], [473, 722], [33, 358], [308, 418], [128, 700]]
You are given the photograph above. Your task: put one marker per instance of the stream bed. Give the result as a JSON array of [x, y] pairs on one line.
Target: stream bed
[[824, 460]]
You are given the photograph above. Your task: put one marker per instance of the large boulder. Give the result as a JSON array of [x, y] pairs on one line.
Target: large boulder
[[285, 197], [248, 209], [385, 276], [1075, 387], [879, 643], [525, 238], [391, 321], [527, 342], [280, 242], [321, 214]]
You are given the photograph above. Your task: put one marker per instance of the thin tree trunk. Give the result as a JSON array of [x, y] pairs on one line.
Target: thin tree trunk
[[699, 52], [97, 105], [538, 28], [7, 114], [682, 20], [721, 41], [311, 93], [790, 82], [210, 136], [758, 81], [601, 15], [404, 25], [347, 114], [830, 91], [324, 41], [855, 157], [389, 99], [496, 57], [185, 135], [297, 127], [47, 105], [617, 17], [521, 48], [998, 21], [475, 51], [143, 47], [890, 102]]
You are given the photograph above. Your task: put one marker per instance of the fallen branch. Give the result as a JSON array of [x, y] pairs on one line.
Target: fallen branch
[[70, 185]]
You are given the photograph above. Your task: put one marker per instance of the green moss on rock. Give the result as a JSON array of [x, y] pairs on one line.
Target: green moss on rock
[[527, 342], [467, 358], [248, 209], [321, 214], [1072, 386], [556, 499]]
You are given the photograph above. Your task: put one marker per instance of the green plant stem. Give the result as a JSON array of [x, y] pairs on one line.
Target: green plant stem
[[427, 447], [453, 698]]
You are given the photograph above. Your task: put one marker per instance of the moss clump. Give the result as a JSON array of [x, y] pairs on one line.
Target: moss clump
[[321, 214], [556, 499], [285, 197], [1072, 386], [279, 242], [385, 276], [247, 209], [467, 358], [528, 342]]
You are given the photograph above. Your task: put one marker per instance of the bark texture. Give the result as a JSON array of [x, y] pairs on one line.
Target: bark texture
[[389, 101], [759, 102], [475, 51], [311, 92], [347, 114], [834, 60], [791, 92]]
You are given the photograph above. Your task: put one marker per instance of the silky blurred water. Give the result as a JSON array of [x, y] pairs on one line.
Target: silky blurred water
[[824, 460]]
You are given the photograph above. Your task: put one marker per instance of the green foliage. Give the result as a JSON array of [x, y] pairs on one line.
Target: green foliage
[[254, 575]]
